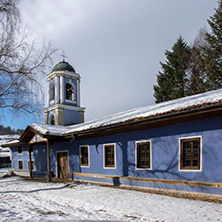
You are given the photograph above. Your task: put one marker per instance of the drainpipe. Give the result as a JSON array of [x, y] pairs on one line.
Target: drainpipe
[[48, 161], [30, 161]]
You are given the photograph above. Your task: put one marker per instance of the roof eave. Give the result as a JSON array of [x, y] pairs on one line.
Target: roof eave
[[12, 144], [179, 116]]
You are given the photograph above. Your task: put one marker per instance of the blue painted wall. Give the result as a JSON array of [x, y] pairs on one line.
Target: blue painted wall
[[39, 156], [165, 155], [70, 117], [165, 152]]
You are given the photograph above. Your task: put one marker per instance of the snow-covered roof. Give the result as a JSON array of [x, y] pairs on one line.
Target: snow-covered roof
[[50, 129], [160, 109], [5, 152], [7, 149], [185, 103], [10, 143], [9, 139]]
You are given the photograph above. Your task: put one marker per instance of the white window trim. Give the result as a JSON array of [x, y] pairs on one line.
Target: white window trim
[[88, 156], [108, 144], [143, 141], [189, 170], [62, 151]]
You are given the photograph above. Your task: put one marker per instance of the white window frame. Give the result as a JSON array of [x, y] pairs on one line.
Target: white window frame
[[179, 162], [143, 141], [109, 144], [84, 166]]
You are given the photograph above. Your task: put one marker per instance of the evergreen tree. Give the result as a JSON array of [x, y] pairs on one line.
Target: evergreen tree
[[9, 131], [196, 83], [212, 51], [195, 72], [172, 81]]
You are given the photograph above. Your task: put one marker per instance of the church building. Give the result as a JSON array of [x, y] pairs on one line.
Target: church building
[[64, 96], [174, 145]]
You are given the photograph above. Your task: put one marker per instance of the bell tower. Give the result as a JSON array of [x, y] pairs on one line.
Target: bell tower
[[64, 96]]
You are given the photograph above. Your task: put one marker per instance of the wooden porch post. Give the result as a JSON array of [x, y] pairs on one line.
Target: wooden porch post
[[30, 161], [48, 161]]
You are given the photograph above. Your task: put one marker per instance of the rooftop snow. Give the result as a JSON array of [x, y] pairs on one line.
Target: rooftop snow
[[176, 105], [9, 139], [50, 129], [199, 100]]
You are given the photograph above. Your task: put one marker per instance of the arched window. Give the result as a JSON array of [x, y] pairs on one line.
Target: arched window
[[70, 92], [52, 120], [52, 91]]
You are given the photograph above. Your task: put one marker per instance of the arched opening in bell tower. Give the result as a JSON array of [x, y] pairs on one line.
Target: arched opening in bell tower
[[52, 91], [52, 119], [70, 92]]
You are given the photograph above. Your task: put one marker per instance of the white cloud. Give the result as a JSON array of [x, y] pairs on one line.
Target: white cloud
[[116, 45]]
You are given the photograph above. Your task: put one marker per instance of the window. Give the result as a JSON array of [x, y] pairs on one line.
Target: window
[[52, 91], [109, 155], [52, 120], [190, 154], [20, 164], [19, 149], [70, 94], [84, 156], [32, 165], [143, 155]]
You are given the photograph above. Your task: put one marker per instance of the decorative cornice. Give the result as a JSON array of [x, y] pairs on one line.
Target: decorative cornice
[[62, 106], [63, 73]]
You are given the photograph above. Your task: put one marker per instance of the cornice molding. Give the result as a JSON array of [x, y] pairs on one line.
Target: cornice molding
[[63, 73], [62, 106]]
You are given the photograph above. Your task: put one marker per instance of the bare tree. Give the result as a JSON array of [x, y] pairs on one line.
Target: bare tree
[[22, 62]]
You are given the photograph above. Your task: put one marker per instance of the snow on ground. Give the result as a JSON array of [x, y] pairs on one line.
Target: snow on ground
[[22, 200]]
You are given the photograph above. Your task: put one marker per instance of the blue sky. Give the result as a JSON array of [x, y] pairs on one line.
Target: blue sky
[[115, 45]]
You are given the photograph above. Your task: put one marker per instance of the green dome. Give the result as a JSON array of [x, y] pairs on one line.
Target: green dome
[[62, 66]]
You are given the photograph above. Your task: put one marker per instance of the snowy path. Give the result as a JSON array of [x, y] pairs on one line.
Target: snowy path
[[27, 201]]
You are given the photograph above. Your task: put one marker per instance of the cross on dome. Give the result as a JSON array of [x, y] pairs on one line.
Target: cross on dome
[[63, 55]]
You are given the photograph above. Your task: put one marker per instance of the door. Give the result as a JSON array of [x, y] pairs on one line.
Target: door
[[62, 164]]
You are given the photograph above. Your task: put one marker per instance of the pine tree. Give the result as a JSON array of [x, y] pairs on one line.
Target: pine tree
[[172, 81], [212, 52], [195, 72], [196, 82]]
